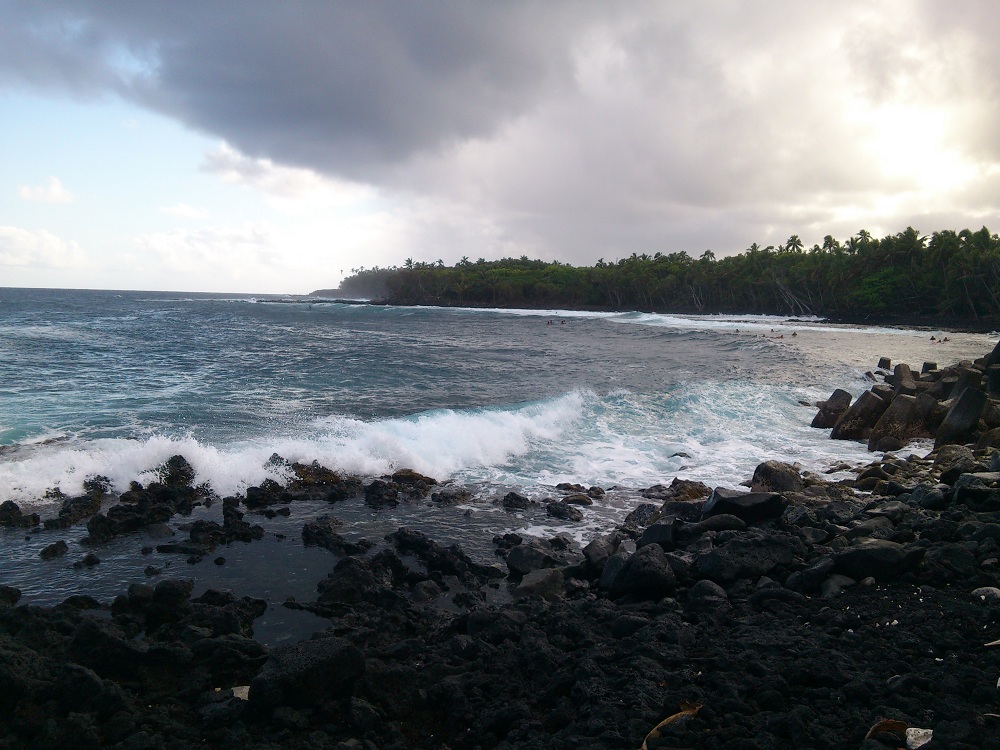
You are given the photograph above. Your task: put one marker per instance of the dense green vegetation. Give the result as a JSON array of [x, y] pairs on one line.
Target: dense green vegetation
[[948, 274]]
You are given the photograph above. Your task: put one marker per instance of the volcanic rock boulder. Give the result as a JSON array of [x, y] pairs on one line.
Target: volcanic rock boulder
[[11, 516], [307, 673], [857, 422], [744, 558], [645, 575], [775, 476], [879, 559], [831, 410], [750, 507]]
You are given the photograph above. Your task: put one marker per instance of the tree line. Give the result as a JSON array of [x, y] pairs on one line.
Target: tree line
[[948, 274]]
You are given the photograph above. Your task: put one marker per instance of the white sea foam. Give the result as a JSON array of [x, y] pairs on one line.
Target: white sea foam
[[712, 432], [439, 443], [781, 324]]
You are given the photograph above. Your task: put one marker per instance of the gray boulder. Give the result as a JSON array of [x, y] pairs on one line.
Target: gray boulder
[[962, 418], [547, 583], [743, 558], [529, 556], [831, 410], [903, 381], [857, 422]]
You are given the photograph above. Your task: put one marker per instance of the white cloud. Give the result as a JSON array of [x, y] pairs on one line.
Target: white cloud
[[236, 251], [20, 247], [52, 192], [284, 182], [184, 211]]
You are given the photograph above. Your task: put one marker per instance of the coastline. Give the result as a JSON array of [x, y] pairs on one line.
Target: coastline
[[886, 319], [802, 613]]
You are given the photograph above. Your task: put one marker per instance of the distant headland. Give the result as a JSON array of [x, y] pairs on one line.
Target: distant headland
[[949, 279]]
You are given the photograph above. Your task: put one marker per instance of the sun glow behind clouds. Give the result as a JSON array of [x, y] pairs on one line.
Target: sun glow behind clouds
[[911, 142]]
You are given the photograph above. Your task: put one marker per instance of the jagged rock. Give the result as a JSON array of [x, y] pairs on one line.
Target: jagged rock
[[661, 533], [380, 494], [12, 517], [993, 358], [831, 410], [564, 511], [599, 549], [515, 501], [685, 510], [679, 490], [411, 477], [451, 561], [54, 550], [641, 516], [361, 580], [89, 560], [452, 496], [948, 456], [878, 558], [529, 556], [762, 596], [176, 472], [645, 575], [750, 507], [720, 522], [951, 561], [706, 592], [989, 439], [322, 534], [547, 583], [857, 422], [305, 673], [775, 476], [743, 558], [810, 579], [968, 377], [9, 596]]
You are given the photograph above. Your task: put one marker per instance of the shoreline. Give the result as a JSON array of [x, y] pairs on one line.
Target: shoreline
[[804, 612], [890, 320]]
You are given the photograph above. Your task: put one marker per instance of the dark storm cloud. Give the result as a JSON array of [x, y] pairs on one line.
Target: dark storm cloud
[[339, 86], [571, 129]]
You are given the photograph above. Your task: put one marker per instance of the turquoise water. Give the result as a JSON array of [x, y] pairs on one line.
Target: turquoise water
[[114, 383]]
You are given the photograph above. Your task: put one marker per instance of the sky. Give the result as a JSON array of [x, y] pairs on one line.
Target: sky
[[265, 147]]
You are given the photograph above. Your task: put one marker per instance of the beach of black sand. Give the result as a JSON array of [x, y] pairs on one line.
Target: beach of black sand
[[806, 612]]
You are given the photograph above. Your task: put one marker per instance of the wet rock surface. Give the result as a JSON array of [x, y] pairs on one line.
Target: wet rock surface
[[811, 612]]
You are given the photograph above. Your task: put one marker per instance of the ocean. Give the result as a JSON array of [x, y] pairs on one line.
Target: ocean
[[114, 383]]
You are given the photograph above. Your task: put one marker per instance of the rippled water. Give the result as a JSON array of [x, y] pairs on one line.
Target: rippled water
[[113, 383]]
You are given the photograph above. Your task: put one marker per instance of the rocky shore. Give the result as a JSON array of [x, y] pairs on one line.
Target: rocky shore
[[806, 612]]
